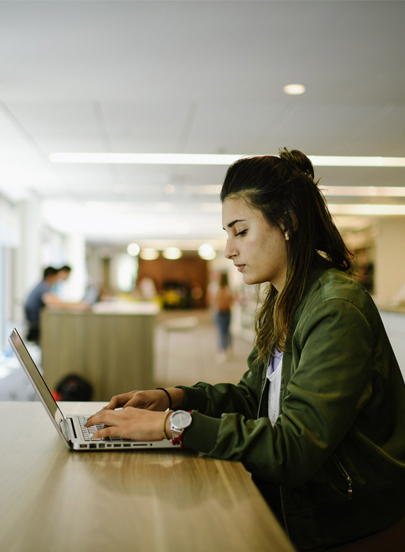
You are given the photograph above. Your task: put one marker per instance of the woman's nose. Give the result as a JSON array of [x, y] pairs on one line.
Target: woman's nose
[[229, 250]]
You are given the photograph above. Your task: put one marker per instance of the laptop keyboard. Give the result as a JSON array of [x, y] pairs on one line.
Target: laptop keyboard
[[92, 429]]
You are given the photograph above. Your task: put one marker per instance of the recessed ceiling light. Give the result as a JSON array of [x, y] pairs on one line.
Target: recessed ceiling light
[[294, 89], [172, 253], [133, 249], [149, 254], [170, 189], [207, 252]]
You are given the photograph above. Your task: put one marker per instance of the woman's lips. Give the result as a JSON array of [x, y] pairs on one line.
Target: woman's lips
[[240, 267]]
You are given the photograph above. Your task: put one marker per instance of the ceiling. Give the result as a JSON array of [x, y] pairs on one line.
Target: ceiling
[[191, 77]]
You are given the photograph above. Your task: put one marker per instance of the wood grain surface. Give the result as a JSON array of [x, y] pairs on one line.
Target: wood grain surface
[[56, 500]]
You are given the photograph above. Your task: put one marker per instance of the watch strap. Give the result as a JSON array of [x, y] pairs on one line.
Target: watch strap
[[178, 439]]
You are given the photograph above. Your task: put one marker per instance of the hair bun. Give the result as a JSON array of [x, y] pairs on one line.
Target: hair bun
[[299, 160]]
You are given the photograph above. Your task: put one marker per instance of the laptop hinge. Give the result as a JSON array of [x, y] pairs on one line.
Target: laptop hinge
[[68, 429]]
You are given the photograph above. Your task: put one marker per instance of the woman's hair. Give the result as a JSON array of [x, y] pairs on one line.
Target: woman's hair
[[284, 190]]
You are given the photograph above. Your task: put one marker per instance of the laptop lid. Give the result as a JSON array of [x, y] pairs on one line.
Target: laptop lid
[[91, 296], [38, 383], [75, 441]]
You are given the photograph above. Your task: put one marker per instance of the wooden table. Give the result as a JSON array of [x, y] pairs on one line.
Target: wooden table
[[112, 346], [55, 500]]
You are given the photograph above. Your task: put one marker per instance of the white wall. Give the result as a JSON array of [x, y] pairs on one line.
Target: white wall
[[389, 258], [395, 327], [94, 263], [9, 224], [28, 258], [9, 240], [35, 246], [75, 248]]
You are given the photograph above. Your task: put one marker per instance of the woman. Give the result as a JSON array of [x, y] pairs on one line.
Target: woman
[[319, 417], [222, 304]]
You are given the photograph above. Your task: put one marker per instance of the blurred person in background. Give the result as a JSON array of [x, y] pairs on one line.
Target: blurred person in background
[[222, 304], [37, 299], [63, 275], [64, 272], [43, 296]]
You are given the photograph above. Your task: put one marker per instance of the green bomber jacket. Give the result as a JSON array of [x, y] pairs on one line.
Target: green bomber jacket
[[337, 449]]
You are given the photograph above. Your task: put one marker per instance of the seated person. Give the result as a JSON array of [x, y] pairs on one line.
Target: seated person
[[318, 418], [42, 296]]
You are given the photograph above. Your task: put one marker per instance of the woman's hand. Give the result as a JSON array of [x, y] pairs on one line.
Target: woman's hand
[[155, 399], [129, 423]]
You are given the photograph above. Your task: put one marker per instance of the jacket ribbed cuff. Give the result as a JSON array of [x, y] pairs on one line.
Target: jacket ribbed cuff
[[195, 398], [202, 434]]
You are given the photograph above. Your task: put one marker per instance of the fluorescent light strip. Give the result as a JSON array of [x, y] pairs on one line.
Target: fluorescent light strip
[[340, 161], [208, 189], [358, 191], [364, 191], [145, 158], [362, 209], [211, 207], [214, 159]]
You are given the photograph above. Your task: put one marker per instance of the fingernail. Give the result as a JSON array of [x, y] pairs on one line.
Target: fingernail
[[91, 435]]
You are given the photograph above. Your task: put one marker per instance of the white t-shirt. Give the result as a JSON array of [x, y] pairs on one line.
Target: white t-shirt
[[274, 370]]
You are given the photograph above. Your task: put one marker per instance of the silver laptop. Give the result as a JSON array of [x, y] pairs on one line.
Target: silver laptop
[[72, 428], [91, 296]]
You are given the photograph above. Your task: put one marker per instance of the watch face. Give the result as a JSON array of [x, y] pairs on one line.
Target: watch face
[[181, 419]]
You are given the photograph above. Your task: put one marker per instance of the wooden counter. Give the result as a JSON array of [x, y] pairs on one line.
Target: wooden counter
[[111, 346], [393, 318], [56, 500], [399, 309]]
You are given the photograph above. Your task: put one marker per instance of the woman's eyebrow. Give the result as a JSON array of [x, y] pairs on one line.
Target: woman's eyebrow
[[234, 222]]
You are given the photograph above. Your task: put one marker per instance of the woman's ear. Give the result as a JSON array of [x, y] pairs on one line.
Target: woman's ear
[[294, 220]]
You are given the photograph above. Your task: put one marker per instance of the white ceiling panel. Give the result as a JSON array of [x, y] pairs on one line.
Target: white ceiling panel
[[53, 117], [192, 77]]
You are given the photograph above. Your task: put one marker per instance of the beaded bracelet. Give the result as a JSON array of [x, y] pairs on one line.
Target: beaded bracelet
[[168, 394], [168, 411]]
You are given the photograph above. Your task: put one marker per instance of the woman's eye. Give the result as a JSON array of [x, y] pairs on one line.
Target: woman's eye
[[241, 233]]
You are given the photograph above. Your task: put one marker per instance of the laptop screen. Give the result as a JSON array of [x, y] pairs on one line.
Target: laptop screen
[[35, 377], [92, 295]]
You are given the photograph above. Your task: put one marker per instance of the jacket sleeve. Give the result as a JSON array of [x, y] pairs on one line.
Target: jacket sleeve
[[214, 400], [330, 383]]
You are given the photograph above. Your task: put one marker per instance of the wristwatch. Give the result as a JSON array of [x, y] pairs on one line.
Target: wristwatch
[[179, 420]]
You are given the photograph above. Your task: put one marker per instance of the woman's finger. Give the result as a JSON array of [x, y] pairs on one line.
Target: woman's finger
[[142, 399], [129, 423], [106, 417], [119, 400], [108, 431]]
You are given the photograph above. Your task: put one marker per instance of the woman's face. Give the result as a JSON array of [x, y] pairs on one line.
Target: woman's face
[[257, 249]]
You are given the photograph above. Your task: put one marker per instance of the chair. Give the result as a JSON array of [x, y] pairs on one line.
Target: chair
[[179, 324], [391, 539]]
